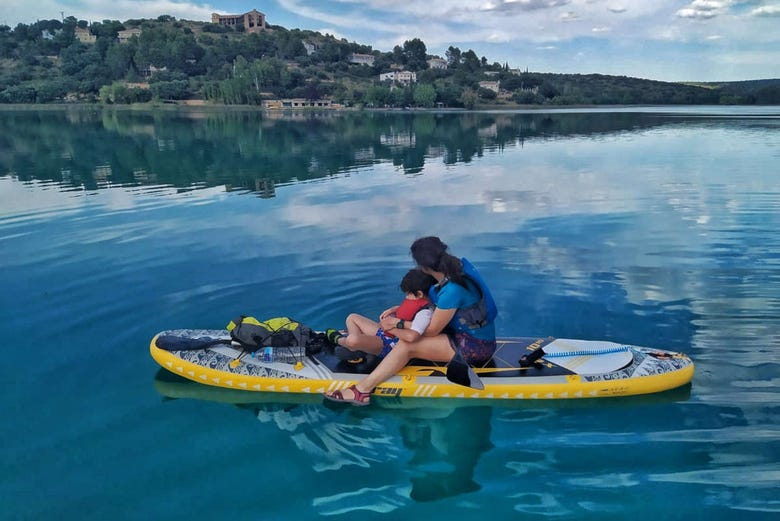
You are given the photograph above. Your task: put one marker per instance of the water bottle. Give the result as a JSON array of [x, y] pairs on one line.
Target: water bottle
[[268, 354]]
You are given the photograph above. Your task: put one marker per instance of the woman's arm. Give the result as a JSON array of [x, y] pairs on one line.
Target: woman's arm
[[408, 335], [439, 320]]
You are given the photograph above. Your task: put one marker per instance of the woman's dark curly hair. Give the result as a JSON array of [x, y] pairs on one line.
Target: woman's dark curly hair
[[431, 252]]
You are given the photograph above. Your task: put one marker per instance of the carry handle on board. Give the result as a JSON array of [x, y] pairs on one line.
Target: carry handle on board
[[178, 343]]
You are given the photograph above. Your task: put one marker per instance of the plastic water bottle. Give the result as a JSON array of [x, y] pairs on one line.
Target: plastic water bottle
[[268, 354]]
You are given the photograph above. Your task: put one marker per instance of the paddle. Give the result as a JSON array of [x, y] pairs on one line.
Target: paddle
[[461, 373]]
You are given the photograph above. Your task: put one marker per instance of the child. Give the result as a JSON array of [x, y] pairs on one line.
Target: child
[[366, 337]]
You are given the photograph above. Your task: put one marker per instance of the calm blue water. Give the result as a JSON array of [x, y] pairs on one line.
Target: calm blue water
[[653, 227]]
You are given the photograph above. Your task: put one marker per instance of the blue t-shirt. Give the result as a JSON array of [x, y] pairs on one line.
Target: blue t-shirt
[[453, 295]]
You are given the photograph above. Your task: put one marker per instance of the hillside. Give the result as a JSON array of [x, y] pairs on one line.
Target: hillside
[[54, 61]]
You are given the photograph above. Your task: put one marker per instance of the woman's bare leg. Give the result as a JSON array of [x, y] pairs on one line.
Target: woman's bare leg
[[436, 348]]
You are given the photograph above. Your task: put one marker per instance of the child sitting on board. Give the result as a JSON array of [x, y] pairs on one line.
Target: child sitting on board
[[366, 339]]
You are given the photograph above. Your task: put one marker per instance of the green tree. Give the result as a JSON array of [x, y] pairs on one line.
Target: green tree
[[119, 59], [487, 94], [453, 56], [548, 90], [52, 90], [424, 95], [525, 97], [448, 92], [108, 29], [470, 62], [176, 89], [415, 54], [469, 98], [398, 97], [399, 56], [378, 96]]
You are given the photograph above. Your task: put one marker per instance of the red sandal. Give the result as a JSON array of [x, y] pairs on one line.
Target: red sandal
[[359, 399]]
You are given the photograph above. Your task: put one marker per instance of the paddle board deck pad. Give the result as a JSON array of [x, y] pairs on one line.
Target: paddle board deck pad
[[569, 369]]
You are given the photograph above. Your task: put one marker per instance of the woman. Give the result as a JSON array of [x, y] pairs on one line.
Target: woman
[[459, 322]]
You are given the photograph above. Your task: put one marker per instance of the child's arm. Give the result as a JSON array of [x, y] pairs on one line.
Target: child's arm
[[389, 323], [413, 329], [388, 312]]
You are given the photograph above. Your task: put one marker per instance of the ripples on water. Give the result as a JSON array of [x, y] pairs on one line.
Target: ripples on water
[[653, 229]]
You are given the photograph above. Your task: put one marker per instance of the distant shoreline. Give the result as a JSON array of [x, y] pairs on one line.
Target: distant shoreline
[[211, 107]]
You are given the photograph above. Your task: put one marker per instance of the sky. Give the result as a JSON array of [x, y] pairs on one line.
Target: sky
[[667, 40]]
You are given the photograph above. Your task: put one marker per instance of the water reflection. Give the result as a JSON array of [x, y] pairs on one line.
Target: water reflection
[[94, 148], [439, 442]]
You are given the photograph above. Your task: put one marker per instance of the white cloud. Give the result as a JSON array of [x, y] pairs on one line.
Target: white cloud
[[331, 31], [698, 14], [569, 16], [705, 9], [766, 11]]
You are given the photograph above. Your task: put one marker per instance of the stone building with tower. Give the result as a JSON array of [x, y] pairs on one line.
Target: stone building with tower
[[252, 22]]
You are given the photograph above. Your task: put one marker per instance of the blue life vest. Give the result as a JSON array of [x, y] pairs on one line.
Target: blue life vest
[[482, 312]]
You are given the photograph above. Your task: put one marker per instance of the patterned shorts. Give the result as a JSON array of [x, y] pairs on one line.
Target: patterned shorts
[[474, 350], [388, 342]]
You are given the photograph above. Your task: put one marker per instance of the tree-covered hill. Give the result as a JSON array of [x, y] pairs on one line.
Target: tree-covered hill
[[54, 61]]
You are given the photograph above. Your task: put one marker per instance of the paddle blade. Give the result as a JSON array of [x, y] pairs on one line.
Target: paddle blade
[[461, 373]]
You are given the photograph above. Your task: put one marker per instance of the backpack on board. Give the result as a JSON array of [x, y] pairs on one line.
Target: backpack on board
[[253, 334]]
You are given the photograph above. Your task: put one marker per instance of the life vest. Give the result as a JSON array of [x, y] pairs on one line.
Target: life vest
[[409, 309], [479, 314]]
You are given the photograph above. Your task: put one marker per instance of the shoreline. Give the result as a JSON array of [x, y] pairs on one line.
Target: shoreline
[[209, 107]]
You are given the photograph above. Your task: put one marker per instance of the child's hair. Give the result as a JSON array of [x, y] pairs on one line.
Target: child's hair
[[431, 252], [416, 280]]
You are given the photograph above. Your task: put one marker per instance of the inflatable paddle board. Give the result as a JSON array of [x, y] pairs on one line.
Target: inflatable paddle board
[[569, 369]]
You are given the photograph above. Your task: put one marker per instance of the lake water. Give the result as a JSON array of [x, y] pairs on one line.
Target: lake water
[[647, 226]]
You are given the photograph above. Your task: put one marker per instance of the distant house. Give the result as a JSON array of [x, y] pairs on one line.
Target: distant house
[[362, 59], [402, 77], [437, 63], [84, 36], [252, 22], [297, 103], [151, 69], [490, 85], [310, 48], [125, 35]]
